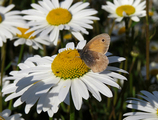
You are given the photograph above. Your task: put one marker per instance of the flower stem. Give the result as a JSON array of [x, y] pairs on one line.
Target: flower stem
[[20, 55], [111, 29], [62, 39], [147, 40], [3, 57], [33, 1], [72, 109], [126, 41], [50, 118], [10, 2]]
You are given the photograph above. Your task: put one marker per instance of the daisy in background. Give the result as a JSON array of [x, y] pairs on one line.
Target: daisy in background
[[9, 21], [5, 115], [153, 71], [125, 8], [48, 80], [49, 17], [148, 107], [153, 47], [34, 41]]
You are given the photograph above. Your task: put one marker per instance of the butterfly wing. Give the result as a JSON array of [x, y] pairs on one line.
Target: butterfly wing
[[95, 60], [100, 43]]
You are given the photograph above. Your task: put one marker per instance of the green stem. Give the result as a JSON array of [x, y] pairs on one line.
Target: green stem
[[63, 107], [50, 118], [3, 57], [147, 40], [33, 1], [19, 60], [72, 109], [20, 55], [126, 41], [10, 104], [111, 29], [62, 39], [11, 1]]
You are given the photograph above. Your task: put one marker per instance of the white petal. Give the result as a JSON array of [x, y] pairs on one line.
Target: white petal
[[77, 99], [78, 35]]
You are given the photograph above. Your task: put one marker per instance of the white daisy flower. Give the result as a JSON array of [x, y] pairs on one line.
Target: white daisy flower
[[148, 108], [125, 8], [50, 16], [48, 80], [34, 41], [155, 17], [9, 21], [5, 115], [153, 71], [153, 47], [155, 4]]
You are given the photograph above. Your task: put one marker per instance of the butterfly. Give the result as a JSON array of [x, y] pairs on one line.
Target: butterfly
[[93, 53]]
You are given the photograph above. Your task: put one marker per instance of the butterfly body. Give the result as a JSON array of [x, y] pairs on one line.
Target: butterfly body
[[93, 54]]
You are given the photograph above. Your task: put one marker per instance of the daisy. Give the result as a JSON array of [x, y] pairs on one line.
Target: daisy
[[155, 4], [153, 47], [153, 70], [34, 41], [9, 21], [48, 80], [148, 108], [5, 115], [49, 17], [125, 8]]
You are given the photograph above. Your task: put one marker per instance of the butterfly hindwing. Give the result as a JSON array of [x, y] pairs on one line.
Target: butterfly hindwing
[[95, 60]]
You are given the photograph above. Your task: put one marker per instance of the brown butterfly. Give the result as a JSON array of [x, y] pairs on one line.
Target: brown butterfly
[[93, 53]]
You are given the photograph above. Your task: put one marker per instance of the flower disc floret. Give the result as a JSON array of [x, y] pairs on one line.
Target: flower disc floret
[[58, 16], [69, 65], [23, 35], [154, 72], [1, 18], [128, 9], [1, 118], [121, 31]]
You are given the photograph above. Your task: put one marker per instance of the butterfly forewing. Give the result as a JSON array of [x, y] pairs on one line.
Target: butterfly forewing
[[93, 54], [99, 43]]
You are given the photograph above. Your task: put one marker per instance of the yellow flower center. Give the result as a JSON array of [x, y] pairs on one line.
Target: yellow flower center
[[121, 31], [1, 118], [154, 72], [58, 16], [67, 36], [157, 111], [69, 65], [154, 48], [1, 18], [151, 13], [128, 9], [23, 35]]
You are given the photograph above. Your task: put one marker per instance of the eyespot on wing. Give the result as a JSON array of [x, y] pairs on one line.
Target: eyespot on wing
[[100, 43]]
